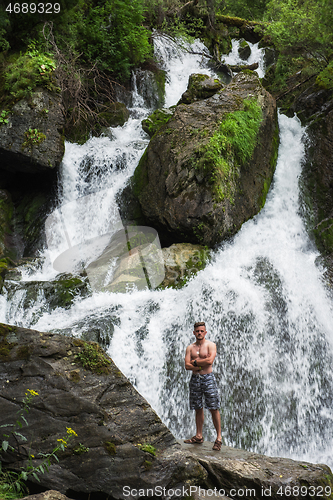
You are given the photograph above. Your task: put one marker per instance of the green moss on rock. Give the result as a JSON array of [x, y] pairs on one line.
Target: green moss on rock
[[5, 345], [230, 146], [140, 177], [93, 358], [156, 120], [110, 448], [200, 86]]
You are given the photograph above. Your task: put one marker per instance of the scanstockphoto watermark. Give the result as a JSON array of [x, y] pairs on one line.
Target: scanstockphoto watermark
[[186, 491], [115, 256]]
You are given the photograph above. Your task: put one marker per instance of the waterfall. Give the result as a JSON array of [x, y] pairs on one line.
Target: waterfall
[[262, 297]]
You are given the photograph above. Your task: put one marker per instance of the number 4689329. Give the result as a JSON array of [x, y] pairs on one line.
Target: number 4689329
[[33, 8]]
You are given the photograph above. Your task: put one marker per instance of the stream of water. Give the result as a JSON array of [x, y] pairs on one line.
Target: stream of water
[[262, 297]]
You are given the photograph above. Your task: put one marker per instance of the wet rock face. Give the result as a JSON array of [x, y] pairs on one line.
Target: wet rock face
[[315, 108], [191, 185], [244, 50], [6, 210], [32, 140]]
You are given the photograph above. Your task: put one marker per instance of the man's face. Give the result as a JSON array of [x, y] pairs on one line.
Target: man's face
[[200, 332]]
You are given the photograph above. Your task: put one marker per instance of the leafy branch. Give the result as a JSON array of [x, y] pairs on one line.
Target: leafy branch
[[11, 482]]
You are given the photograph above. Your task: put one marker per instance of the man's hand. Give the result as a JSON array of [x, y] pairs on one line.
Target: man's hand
[[189, 362], [196, 365]]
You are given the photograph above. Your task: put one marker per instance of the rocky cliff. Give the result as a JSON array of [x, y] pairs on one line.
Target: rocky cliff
[[314, 105]]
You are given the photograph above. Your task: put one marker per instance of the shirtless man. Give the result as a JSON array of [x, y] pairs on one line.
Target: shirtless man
[[199, 359]]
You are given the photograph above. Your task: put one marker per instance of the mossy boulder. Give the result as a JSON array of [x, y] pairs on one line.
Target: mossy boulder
[[78, 386], [200, 87], [252, 31], [208, 169], [154, 122], [58, 293], [112, 115]]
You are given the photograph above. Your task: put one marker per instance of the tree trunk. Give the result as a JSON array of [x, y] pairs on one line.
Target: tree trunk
[[211, 13]]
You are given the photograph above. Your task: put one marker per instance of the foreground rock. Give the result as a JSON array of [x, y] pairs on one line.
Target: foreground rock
[[208, 168], [243, 474], [122, 450], [114, 423], [47, 495], [32, 139]]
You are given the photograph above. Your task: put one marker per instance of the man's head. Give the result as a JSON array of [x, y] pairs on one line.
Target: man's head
[[199, 330]]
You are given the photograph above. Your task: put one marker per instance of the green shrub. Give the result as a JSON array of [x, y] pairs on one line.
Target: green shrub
[[4, 25], [301, 30], [325, 77], [110, 34], [4, 117], [32, 137], [12, 484], [30, 70], [248, 9]]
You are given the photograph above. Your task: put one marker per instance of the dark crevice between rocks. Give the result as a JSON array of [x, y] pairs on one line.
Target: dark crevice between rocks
[[33, 197]]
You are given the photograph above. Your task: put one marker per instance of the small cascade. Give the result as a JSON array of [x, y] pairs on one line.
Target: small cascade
[[262, 296], [256, 56]]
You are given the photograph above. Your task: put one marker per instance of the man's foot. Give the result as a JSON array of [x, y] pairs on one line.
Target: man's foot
[[217, 445], [194, 440]]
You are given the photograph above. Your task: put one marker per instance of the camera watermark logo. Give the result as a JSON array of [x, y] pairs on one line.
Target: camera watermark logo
[[115, 257]]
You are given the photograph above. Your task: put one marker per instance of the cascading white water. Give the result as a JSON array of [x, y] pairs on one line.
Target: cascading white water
[[256, 56], [262, 298]]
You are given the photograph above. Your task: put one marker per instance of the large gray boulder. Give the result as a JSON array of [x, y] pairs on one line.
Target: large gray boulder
[[32, 140], [208, 168]]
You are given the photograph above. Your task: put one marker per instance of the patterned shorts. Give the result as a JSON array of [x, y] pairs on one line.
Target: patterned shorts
[[204, 385]]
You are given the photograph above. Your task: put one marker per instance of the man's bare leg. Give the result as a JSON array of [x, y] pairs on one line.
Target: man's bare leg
[[217, 423], [199, 420]]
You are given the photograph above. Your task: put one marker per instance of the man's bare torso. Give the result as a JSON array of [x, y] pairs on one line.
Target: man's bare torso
[[199, 352]]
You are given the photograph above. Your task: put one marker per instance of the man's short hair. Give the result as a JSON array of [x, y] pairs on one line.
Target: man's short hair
[[199, 323]]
